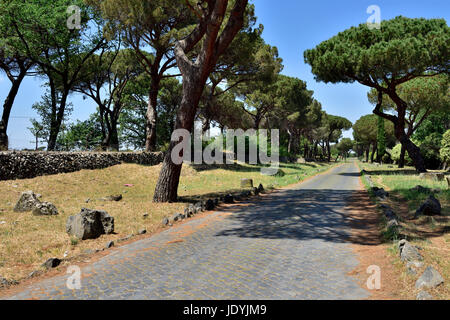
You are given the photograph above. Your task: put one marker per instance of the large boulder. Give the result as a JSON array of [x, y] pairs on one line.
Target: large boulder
[[90, 224], [28, 200], [45, 209], [431, 207], [246, 183], [434, 176], [408, 252], [430, 279]]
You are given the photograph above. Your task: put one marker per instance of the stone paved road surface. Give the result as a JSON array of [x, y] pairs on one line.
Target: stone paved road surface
[[290, 245]]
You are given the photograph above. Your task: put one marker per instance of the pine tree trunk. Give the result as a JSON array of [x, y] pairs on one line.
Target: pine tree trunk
[[414, 154], [194, 79], [374, 149], [206, 125], [399, 124], [151, 120], [401, 162], [57, 117], [7, 106], [114, 137], [167, 187], [329, 150], [4, 144]]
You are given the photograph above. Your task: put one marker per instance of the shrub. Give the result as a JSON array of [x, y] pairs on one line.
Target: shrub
[[445, 147]]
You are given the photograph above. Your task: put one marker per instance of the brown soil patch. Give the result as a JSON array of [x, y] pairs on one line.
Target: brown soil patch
[[367, 244]]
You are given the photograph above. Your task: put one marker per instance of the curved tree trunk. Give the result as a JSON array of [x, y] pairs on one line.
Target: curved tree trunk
[[194, 79], [169, 177], [57, 118], [412, 149], [7, 106], [414, 153], [399, 125]]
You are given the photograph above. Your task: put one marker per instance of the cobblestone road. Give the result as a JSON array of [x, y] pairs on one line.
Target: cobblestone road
[[289, 245]]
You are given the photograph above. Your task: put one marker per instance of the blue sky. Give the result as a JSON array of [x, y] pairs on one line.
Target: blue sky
[[291, 25]]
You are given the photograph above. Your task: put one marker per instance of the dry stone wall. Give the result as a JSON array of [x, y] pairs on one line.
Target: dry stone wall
[[24, 165]]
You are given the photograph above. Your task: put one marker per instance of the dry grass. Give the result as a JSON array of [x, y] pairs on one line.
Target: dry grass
[[430, 233], [27, 241]]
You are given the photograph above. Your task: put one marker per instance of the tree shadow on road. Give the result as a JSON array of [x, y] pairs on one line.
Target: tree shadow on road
[[328, 215], [303, 215]]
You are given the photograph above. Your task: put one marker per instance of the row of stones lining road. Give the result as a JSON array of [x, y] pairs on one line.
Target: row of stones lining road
[[287, 246]]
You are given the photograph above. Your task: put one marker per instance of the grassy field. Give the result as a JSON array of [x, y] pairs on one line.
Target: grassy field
[[27, 241], [430, 233]]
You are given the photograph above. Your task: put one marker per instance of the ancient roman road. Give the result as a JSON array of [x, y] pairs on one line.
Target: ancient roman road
[[288, 245]]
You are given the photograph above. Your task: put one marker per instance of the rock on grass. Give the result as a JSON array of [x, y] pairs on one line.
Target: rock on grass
[[90, 224], [27, 201], [51, 263], [430, 279], [409, 252], [45, 209]]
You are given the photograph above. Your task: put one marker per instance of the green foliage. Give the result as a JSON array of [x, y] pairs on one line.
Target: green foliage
[[132, 123], [401, 47], [344, 146], [429, 148], [82, 135], [44, 110], [38, 131], [39, 30], [396, 152], [156, 23], [400, 51], [445, 150], [365, 131], [336, 123]]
